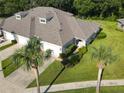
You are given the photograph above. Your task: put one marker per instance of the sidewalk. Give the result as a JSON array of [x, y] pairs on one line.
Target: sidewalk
[[78, 85]]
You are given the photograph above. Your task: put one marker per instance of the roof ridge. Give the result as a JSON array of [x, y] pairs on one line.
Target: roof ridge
[[59, 24]]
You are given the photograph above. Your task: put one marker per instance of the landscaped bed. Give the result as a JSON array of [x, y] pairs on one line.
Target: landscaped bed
[[8, 45], [119, 89], [9, 66], [87, 68]]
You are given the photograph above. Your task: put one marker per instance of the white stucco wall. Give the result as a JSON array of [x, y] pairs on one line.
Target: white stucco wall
[[56, 49], [81, 44], [8, 35], [22, 40]]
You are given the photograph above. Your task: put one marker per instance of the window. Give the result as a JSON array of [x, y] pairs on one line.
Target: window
[[18, 17], [42, 20]]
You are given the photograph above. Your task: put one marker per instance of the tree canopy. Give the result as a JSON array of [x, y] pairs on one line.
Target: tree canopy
[[82, 8]]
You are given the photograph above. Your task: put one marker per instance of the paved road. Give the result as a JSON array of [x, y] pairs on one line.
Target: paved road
[[78, 85]]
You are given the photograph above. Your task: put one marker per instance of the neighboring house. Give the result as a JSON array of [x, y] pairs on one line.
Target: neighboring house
[[56, 28], [121, 23]]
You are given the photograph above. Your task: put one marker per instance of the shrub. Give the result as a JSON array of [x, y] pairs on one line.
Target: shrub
[[101, 35], [74, 59], [62, 55], [14, 41], [48, 53], [81, 51], [70, 49]]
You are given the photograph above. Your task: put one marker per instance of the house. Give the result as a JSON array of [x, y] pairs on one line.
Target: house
[[56, 28], [121, 23]]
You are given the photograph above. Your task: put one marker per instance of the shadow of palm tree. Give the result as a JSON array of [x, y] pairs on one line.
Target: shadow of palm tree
[[54, 79]]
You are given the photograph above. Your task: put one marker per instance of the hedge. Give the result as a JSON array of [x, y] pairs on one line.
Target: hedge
[[68, 51], [101, 35]]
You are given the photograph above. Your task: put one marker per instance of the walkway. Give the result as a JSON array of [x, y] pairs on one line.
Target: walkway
[[5, 43], [78, 85], [8, 51]]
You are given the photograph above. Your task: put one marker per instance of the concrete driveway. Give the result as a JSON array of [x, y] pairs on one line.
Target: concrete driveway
[[8, 52]]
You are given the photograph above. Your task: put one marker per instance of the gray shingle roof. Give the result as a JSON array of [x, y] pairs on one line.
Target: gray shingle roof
[[59, 30]]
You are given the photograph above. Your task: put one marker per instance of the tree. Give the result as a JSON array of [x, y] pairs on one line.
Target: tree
[[32, 56], [103, 56], [48, 53]]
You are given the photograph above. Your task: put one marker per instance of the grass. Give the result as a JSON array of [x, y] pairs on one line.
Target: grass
[[119, 89], [87, 69], [6, 46], [9, 66]]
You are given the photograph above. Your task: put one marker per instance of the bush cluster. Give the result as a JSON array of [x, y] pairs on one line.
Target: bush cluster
[[81, 52], [75, 57], [101, 35], [13, 41], [48, 53], [68, 51]]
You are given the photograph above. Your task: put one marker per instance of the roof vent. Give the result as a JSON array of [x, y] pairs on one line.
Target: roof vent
[[49, 16], [42, 20], [20, 15]]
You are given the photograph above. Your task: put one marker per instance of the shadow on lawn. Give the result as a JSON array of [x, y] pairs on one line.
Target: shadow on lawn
[[54, 80]]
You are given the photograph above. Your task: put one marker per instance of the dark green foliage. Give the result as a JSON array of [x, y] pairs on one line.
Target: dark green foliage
[[9, 7], [82, 51], [14, 41], [74, 59], [47, 53], [101, 35], [62, 55], [31, 54], [70, 49], [100, 9], [96, 9]]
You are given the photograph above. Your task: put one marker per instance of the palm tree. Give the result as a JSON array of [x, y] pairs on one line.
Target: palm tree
[[32, 56], [104, 57]]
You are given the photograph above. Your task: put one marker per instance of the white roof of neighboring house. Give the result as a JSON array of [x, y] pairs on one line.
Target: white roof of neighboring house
[[61, 28], [121, 21]]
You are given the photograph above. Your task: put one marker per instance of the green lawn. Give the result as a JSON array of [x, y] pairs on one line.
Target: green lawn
[[6, 46], [8, 66], [119, 89], [87, 69]]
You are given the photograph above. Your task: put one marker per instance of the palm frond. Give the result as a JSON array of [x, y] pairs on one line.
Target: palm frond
[[104, 54]]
